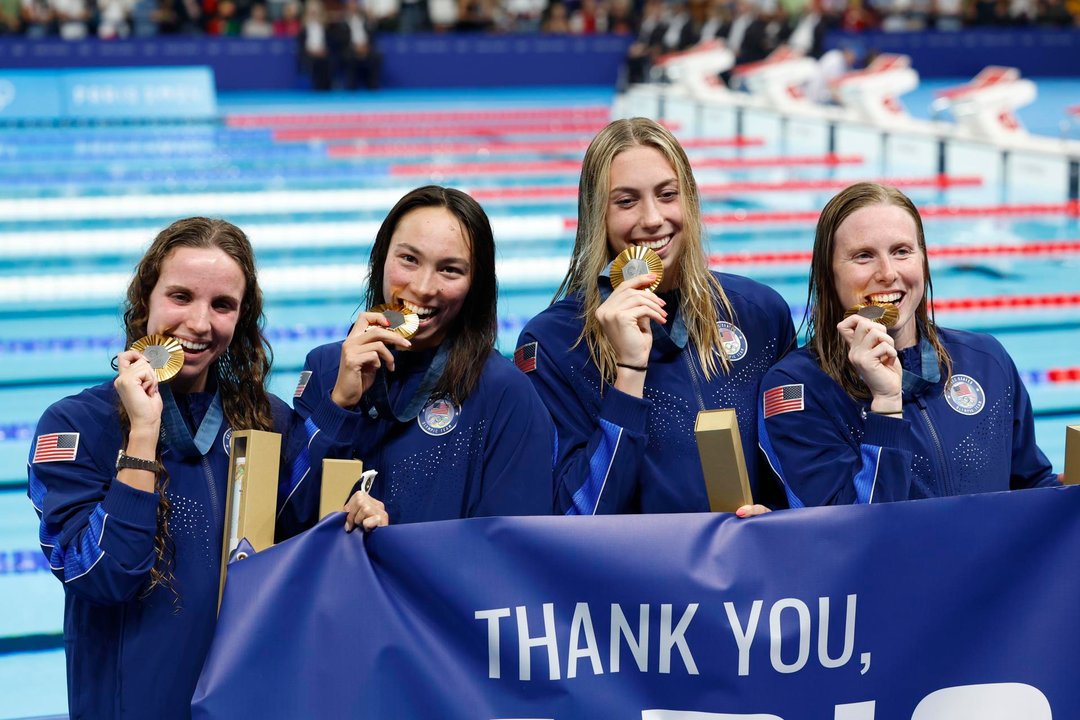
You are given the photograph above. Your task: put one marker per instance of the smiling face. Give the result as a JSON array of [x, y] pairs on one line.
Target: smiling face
[[644, 208], [876, 258], [428, 269], [197, 300]]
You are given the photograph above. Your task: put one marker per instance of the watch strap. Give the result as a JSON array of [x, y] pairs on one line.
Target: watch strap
[[133, 463]]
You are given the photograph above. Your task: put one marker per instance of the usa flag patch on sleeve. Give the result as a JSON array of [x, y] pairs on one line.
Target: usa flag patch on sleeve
[[304, 377], [783, 399], [56, 447], [525, 357]]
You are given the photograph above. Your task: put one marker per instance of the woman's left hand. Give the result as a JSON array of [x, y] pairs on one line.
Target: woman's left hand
[[362, 510]]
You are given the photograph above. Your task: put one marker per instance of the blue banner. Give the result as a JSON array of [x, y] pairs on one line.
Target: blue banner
[[26, 95], [952, 609]]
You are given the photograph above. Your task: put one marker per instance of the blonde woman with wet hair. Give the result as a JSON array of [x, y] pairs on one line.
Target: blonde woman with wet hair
[[625, 370]]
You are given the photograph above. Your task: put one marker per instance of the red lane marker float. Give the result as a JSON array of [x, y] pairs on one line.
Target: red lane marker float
[[1009, 302], [1069, 208], [472, 130], [596, 113], [485, 145], [1056, 375], [574, 166], [804, 256], [711, 190]]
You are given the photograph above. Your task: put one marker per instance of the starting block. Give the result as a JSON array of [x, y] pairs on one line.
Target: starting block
[[698, 68], [779, 79], [872, 94], [986, 106]]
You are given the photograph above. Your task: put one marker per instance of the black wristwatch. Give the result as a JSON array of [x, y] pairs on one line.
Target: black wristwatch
[[134, 463]]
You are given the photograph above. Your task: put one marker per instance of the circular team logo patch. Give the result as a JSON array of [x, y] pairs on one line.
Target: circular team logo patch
[[965, 395], [226, 438], [439, 417], [733, 340]]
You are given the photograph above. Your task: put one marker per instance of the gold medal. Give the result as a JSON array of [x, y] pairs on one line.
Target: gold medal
[[882, 313], [403, 321], [634, 262], [164, 354]]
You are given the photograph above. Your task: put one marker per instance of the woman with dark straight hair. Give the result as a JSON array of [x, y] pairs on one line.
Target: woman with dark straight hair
[[453, 429], [883, 403], [129, 477]]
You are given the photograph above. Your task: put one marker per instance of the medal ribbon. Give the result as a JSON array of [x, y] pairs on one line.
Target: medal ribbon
[[929, 374], [380, 395], [177, 434]]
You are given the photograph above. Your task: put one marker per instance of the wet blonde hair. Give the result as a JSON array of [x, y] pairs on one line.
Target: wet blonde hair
[[699, 289]]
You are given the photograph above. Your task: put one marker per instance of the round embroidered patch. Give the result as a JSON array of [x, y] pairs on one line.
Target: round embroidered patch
[[733, 340], [438, 417], [965, 395], [226, 439]]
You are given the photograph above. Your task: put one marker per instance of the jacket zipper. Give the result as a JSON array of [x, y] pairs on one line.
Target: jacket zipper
[[943, 474], [219, 518], [693, 377]]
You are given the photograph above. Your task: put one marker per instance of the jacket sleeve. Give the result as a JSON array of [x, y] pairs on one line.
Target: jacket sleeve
[[599, 446], [298, 494], [1030, 466], [518, 453], [813, 456], [96, 532], [319, 429]]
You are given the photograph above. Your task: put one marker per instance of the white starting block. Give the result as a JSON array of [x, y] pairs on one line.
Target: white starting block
[[697, 69], [986, 105], [872, 94], [779, 79]]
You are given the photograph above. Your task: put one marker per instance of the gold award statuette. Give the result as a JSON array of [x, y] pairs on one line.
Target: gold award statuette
[[164, 354], [882, 313], [722, 460], [403, 321], [635, 261], [1072, 455]]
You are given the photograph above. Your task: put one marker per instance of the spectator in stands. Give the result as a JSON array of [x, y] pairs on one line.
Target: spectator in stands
[[10, 16], [353, 50], [649, 42], [556, 19], [258, 24], [289, 24], [128, 477], [524, 15], [475, 16], [443, 14], [870, 412], [624, 370], [72, 18], [314, 51], [453, 429]]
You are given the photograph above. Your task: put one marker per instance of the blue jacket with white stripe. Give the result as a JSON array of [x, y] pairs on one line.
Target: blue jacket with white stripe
[[973, 434], [130, 655], [622, 454]]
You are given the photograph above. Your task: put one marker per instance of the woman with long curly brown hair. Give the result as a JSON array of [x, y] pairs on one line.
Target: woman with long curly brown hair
[[129, 477]]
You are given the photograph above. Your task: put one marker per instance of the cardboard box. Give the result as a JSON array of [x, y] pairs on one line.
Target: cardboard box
[[1072, 455], [722, 460], [338, 479], [251, 495]]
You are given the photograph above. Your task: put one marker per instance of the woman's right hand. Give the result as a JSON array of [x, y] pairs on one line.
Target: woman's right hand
[[365, 350], [624, 319], [137, 385], [872, 352]]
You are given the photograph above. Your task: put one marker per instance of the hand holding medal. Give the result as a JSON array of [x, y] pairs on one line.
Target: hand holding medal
[[367, 348], [403, 321], [164, 354], [880, 312]]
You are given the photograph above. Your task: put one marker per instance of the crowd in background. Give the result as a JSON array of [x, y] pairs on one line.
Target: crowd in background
[[677, 23]]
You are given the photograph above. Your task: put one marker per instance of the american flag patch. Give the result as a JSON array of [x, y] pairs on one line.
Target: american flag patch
[[525, 357], [304, 377], [783, 399], [56, 447]]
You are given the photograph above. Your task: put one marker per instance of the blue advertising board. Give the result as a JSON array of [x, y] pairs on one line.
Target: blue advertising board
[[950, 609], [180, 93]]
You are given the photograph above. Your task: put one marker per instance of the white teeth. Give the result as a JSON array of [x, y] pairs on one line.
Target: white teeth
[[421, 311], [885, 297], [656, 244], [193, 346]]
